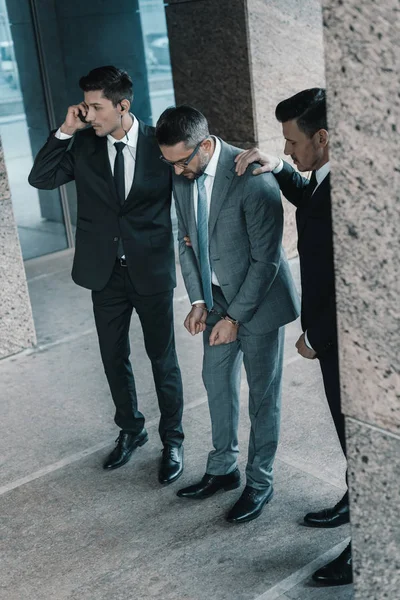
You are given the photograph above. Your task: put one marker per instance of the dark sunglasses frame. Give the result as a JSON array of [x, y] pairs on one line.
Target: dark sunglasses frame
[[183, 163]]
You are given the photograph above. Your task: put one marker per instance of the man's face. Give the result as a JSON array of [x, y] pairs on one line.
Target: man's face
[[104, 117], [179, 153], [307, 153]]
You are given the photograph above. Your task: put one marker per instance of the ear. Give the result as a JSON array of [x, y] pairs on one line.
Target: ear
[[124, 106], [323, 137]]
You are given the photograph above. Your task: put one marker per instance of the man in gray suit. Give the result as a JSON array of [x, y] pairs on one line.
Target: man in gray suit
[[242, 295]]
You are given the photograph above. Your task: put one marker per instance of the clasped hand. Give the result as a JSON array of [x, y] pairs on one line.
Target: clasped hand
[[224, 332]]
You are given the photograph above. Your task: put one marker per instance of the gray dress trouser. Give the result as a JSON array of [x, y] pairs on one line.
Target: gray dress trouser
[[263, 359]]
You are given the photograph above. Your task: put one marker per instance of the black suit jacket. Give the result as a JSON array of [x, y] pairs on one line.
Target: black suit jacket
[[143, 221], [315, 246]]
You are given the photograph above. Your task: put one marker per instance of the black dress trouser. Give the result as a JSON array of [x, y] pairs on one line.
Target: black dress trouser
[[330, 374], [113, 307]]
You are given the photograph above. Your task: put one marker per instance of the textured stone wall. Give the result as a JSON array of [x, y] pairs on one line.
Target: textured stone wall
[[362, 56], [236, 59], [17, 331]]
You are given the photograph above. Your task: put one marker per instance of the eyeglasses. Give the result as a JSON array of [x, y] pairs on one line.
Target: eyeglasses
[[183, 163]]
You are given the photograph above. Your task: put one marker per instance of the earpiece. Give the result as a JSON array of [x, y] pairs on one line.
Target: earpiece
[[123, 109]]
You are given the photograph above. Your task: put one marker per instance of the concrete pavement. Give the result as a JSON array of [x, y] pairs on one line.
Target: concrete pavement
[[69, 530]]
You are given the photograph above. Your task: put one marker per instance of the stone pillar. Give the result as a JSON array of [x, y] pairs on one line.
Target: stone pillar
[[236, 59], [362, 48], [17, 330]]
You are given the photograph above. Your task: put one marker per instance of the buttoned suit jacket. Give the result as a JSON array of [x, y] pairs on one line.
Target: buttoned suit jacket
[[245, 235], [143, 221]]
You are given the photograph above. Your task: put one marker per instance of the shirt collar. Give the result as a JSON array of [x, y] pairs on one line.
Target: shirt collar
[[321, 173], [133, 134], [211, 168]]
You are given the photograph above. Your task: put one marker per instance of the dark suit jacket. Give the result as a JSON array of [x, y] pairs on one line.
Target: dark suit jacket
[[315, 246], [143, 222]]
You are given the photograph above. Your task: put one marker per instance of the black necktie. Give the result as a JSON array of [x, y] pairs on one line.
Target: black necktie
[[308, 190], [119, 171]]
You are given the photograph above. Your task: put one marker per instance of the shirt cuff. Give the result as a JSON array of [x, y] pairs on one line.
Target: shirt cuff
[[278, 168], [198, 302], [307, 341], [62, 136]]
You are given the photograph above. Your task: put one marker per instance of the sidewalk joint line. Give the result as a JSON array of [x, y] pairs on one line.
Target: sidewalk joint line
[[376, 428], [97, 447], [278, 590], [79, 455]]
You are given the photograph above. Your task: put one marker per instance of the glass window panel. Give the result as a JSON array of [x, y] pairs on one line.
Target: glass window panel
[[156, 45], [38, 214]]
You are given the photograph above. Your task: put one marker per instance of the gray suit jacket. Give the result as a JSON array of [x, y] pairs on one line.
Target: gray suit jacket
[[245, 235]]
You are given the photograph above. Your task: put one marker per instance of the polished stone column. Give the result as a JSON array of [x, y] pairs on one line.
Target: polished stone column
[[362, 49], [236, 59], [17, 330]]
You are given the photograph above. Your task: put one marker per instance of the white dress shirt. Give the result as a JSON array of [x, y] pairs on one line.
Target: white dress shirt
[[210, 170], [320, 175]]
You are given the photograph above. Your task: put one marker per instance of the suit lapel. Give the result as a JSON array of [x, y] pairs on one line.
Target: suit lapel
[[223, 178], [187, 208], [191, 219], [140, 165]]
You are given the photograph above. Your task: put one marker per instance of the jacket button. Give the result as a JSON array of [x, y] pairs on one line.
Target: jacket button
[[115, 239]]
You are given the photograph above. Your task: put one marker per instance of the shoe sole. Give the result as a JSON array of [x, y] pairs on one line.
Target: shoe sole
[[332, 526], [227, 488], [140, 443], [330, 582], [251, 517]]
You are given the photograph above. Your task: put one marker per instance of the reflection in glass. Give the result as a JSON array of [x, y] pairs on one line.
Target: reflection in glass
[[156, 46], [39, 218]]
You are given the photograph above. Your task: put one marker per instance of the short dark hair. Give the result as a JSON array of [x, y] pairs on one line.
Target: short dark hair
[[181, 124], [308, 108], [115, 84]]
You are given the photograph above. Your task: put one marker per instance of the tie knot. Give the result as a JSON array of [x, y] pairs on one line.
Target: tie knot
[[201, 179], [119, 146]]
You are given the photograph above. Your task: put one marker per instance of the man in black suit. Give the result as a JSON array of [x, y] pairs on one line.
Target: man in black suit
[[124, 250], [304, 125]]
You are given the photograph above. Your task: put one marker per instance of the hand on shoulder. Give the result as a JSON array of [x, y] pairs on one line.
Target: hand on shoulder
[[267, 161]]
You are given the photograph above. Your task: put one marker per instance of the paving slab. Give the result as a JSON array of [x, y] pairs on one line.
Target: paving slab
[[70, 530]]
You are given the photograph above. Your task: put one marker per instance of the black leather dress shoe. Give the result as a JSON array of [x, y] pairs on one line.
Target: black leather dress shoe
[[171, 466], [126, 444], [250, 505], [337, 572], [330, 517], [211, 484]]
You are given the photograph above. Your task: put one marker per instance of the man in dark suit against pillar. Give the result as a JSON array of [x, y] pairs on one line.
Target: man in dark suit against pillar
[[304, 124], [124, 250]]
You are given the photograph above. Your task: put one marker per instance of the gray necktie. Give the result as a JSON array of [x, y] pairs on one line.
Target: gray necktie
[[202, 233]]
